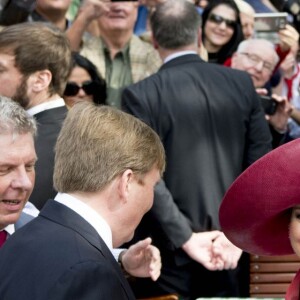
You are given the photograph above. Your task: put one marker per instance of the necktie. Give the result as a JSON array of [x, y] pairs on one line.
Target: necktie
[[3, 235]]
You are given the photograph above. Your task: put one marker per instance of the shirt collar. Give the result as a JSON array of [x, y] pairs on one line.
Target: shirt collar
[[178, 54], [10, 229], [45, 106], [89, 214], [124, 51]]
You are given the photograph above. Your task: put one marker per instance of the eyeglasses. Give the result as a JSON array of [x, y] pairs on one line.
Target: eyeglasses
[[254, 60], [219, 20], [72, 88]]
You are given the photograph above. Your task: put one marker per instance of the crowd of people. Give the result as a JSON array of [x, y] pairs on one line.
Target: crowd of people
[[123, 124]]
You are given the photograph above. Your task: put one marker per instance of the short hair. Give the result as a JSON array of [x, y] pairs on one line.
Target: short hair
[[14, 119], [246, 44], [98, 143], [39, 46], [99, 95], [175, 23]]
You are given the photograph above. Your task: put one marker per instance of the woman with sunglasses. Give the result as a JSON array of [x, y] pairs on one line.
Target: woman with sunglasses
[[84, 83], [221, 30]]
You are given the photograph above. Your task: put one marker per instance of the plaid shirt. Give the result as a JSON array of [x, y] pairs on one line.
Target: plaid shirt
[[144, 59]]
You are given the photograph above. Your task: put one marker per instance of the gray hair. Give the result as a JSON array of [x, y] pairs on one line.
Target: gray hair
[[175, 23], [14, 119], [246, 44]]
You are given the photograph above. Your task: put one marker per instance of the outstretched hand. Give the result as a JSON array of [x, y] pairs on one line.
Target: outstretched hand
[[226, 251], [142, 260], [200, 248], [213, 250]]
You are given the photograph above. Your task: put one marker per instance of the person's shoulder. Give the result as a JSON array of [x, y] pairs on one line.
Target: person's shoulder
[[90, 42], [138, 45], [227, 71]]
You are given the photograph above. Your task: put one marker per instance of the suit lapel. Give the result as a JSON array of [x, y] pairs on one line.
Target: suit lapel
[[59, 213]]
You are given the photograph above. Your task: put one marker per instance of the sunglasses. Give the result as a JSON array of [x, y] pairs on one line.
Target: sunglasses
[[219, 20], [72, 88]]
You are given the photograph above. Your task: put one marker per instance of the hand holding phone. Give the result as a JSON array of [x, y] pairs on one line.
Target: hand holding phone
[[269, 105]]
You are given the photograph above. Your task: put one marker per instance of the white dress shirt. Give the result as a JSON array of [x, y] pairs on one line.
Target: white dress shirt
[[89, 214], [59, 102], [178, 54]]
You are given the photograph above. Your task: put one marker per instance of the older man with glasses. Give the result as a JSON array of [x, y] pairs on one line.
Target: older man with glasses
[[258, 58]]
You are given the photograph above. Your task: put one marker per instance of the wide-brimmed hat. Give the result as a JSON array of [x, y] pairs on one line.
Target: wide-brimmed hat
[[255, 212]]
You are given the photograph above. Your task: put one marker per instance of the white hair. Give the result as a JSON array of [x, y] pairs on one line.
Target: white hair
[[246, 44], [14, 119]]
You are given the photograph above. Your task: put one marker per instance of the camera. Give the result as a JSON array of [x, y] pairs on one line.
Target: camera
[[269, 105], [270, 22]]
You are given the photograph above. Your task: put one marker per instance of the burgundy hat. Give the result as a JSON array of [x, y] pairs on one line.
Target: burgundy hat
[[255, 212]]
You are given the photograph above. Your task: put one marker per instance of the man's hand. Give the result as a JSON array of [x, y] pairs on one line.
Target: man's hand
[[93, 9], [150, 3], [226, 251], [142, 260], [283, 111], [288, 38], [200, 248]]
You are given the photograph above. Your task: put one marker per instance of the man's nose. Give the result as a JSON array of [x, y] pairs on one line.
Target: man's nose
[[22, 180], [259, 66]]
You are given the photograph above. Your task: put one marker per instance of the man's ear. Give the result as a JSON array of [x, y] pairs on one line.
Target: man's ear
[[199, 42], [40, 81], [154, 42], [233, 60], [125, 184]]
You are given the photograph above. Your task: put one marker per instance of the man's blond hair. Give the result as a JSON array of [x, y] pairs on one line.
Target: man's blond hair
[[98, 143]]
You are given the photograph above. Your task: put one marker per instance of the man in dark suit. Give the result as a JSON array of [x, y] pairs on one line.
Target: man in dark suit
[[211, 123], [106, 166], [17, 160], [36, 61]]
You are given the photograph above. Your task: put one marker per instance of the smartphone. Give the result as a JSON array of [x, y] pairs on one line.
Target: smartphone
[[270, 22], [269, 105]]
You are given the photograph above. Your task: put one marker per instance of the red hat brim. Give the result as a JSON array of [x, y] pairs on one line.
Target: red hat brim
[[255, 212]]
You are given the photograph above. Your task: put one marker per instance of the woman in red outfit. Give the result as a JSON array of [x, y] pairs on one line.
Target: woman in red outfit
[[260, 212]]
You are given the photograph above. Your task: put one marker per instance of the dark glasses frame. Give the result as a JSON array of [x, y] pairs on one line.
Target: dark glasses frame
[[72, 88], [219, 20]]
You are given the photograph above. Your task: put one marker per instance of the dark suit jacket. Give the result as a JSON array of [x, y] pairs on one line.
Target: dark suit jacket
[[211, 123], [57, 256], [49, 125]]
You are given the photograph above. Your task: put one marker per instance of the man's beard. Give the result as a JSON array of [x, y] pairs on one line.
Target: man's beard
[[21, 94]]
